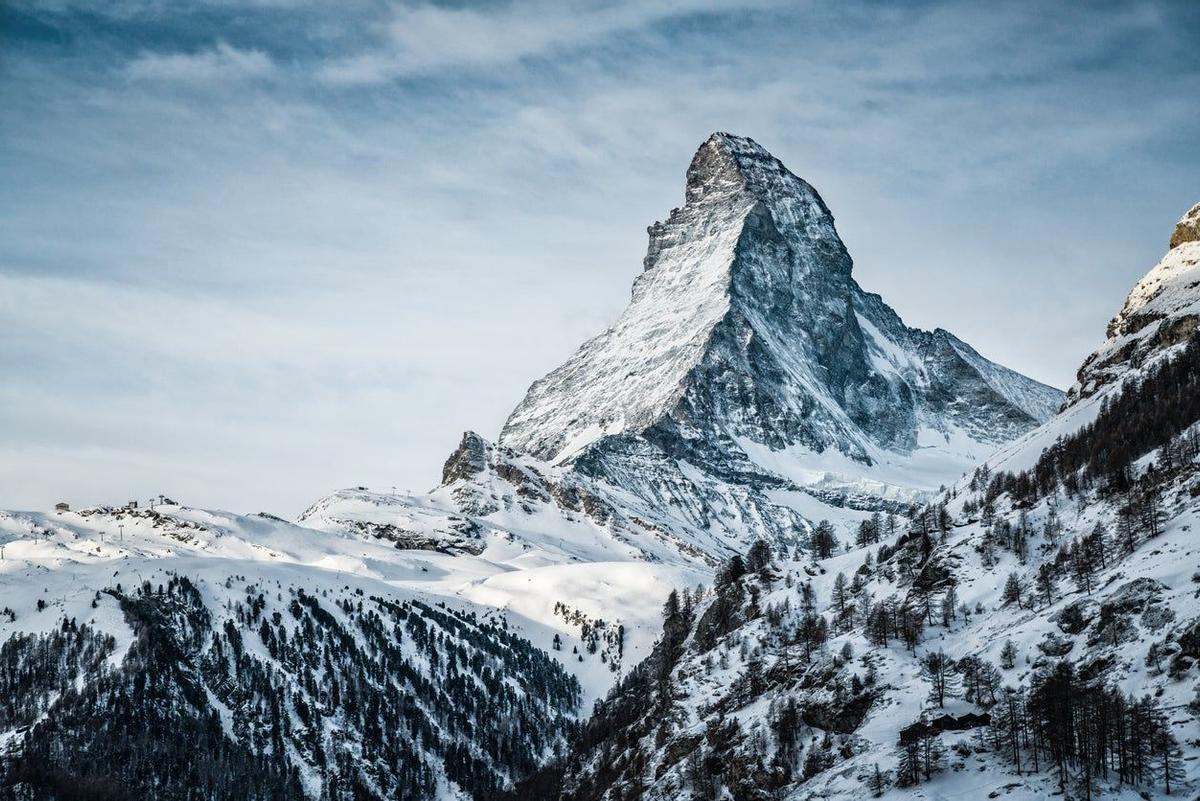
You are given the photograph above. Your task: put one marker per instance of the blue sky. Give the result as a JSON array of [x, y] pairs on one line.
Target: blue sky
[[252, 252]]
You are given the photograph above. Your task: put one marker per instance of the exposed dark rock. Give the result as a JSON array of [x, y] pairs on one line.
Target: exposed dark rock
[[468, 460], [1188, 228]]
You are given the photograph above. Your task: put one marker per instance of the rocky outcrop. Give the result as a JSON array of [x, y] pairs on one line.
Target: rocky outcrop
[[1161, 313], [1188, 228], [469, 459]]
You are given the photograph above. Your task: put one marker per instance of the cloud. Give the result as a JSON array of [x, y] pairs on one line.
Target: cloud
[[221, 62], [423, 38]]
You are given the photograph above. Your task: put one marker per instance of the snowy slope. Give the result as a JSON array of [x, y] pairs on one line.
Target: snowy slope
[[74, 554], [87, 567], [729, 700], [774, 691]]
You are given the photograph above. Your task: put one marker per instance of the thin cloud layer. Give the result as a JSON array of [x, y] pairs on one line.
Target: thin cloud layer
[[218, 63], [421, 38]]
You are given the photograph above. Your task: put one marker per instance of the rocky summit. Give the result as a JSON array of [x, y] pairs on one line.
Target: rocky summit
[[750, 357]]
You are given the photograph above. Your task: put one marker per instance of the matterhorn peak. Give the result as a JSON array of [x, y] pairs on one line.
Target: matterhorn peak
[[747, 334], [726, 163]]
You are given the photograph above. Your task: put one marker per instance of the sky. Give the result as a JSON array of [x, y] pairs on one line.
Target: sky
[[252, 252]]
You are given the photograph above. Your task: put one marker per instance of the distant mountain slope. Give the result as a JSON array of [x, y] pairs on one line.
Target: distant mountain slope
[[159, 653]]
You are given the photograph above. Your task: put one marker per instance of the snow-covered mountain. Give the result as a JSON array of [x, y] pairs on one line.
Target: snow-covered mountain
[[750, 389], [445, 644], [750, 365], [746, 328]]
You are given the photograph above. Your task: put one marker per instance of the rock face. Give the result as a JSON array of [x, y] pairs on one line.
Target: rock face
[[1188, 228], [750, 354], [1160, 314]]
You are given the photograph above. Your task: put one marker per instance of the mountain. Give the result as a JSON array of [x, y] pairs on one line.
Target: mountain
[[750, 389], [1033, 632], [747, 335], [752, 382]]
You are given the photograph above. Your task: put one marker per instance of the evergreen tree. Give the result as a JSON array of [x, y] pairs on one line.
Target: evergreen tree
[[1008, 655], [936, 667], [823, 541], [1046, 582], [949, 604], [876, 782], [1013, 590], [842, 603], [758, 558]]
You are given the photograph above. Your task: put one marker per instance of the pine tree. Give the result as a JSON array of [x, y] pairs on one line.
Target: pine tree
[[732, 570], [1012, 590], [817, 759], [823, 542], [908, 764], [1082, 566], [935, 666], [876, 782], [842, 601], [758, 558], [949, 605], [1008, 655], [1046, 581], [933, 754], [912, 626]]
